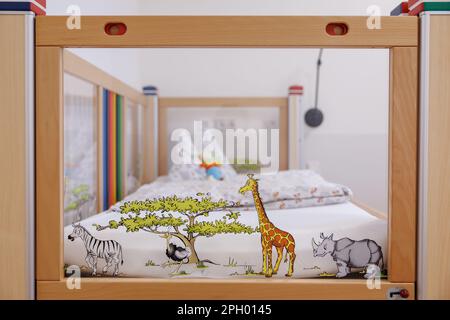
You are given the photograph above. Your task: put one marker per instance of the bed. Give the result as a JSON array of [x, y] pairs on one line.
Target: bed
[[237, 255], [140, 277]]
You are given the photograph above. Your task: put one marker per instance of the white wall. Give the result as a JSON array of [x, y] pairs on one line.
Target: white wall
[[123, 64], [351, 145], [221, 7], [96, 7], [265, 7]]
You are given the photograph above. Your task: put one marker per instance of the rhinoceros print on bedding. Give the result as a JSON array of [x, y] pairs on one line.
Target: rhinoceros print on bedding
[[349, 254]]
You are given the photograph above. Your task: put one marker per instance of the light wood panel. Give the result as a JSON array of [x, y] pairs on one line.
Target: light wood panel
[[13, 190], [165, 103], [100, 149], [296, 132], [403, 156], [437, 229], [49, 163], [205, 289], [227, 31], [163, 144], [79, 67], [149, 141], [284, 135], [375, 212]]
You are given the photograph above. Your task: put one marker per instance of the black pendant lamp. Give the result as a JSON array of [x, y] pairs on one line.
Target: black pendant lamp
[[314, 117]]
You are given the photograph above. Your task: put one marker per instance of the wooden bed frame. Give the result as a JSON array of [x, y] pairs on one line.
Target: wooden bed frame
[[398, 34], [78, 67], [165, 103], [84, 70]]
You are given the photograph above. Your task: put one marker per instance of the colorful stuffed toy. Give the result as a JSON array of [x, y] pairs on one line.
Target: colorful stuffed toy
[[212, 170]]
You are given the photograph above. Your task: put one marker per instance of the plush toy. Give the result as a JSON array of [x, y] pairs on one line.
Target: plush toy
[[212, 170]]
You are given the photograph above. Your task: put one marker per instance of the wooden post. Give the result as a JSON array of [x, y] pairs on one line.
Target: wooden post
[[296, 129], [49, 163], [17, 156], [403, 153], [434, 212], [150, 127]]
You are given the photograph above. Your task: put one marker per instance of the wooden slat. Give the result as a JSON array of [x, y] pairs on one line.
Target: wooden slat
[[49, 163], [284, 136], [100, 186], [374, 212], [227, 31], [296, 129], [437, 235], [163, 143], [149, 173], [125, 104], [205, 289], [79, 67], [165, 103], [13, 202], [403, 155]]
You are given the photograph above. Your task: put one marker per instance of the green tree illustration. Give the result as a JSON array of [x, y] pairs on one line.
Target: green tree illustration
[[155, 216], [81, 195]]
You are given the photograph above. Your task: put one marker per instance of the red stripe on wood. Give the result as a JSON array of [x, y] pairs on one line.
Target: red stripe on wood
[[417, 10], [38, 11]]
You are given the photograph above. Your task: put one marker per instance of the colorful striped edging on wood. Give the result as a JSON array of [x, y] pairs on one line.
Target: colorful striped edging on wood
[[150, 90], [412, 4], [401, 10], [421, 6], [113, 148], [105, 162], [296, 89], [119, 150], [36, 6]]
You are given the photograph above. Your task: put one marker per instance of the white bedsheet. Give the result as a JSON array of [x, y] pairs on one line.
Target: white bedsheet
[[142, 249]]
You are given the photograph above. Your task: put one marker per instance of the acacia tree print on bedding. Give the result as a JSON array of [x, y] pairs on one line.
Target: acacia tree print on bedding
[[154, 216]]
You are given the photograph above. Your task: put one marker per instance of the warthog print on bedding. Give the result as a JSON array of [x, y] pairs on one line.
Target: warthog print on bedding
[[348, 253]]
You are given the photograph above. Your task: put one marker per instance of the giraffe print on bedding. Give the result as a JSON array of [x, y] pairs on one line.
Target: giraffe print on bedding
[[271, 236]]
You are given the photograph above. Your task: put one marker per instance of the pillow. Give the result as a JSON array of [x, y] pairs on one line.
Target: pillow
[[228, 171], [201, 168], [180, 172]]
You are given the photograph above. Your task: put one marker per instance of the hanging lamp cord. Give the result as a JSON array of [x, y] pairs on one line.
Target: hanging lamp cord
[[319, 64]]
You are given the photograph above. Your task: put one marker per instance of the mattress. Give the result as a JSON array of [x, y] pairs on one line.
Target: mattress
[[234, 255]]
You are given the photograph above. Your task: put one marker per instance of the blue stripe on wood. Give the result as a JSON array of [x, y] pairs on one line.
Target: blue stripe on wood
[[105, 150], [150, 90], [15, 6]]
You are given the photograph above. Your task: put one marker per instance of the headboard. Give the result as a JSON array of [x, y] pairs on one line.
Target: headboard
[[221, 113]]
